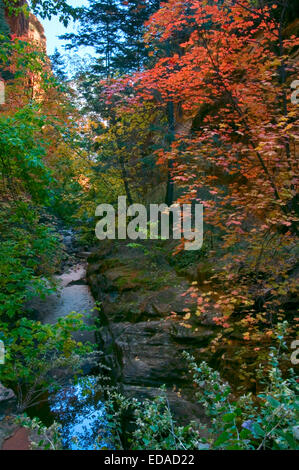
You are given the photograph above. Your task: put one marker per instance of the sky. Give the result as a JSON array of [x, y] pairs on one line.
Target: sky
[[53, 29]]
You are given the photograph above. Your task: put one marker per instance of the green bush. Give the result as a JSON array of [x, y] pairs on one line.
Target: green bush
[[268, 421], [34, 351], [28, 251]]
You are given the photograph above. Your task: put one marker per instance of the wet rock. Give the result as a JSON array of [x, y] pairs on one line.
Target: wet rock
[[199, 336], [73, 295], [149, 356], [145, 304], [16, 437], [8, 427]]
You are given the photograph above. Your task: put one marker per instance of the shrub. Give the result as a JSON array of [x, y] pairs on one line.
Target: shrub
[[39, 357], [266, 421]]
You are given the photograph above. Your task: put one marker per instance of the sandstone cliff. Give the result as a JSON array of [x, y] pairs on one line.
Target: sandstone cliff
[[26, 26]]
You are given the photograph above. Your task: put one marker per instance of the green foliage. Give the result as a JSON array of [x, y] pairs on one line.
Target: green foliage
[[22, 152], [115, 31], [35, 167], [18, 59], [44, 8], [156, 428], [47, 438], [28, 251], [139, 245], [268, 421], [34, 351], [58, 65]]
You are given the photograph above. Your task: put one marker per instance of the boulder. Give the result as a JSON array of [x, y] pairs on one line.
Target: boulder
[[7, 401], [6, 394]]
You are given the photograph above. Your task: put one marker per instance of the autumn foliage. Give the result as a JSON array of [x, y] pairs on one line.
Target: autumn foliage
[[226, 67]]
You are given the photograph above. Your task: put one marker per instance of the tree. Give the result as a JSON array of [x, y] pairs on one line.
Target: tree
[[44, 8], [58, 65], [230, 75], [115, 30]]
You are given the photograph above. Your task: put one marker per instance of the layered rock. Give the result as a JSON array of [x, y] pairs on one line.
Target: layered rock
[[143, 334], [36, 32]]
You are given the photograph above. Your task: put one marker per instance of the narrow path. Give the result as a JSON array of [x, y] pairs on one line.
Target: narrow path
[[73, 295]]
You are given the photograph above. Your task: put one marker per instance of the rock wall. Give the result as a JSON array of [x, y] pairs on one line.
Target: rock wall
[[18, 24], [142, 334], [36, 31], [22, 25]]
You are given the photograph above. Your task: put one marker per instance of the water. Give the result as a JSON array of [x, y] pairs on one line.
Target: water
[[82, 416], [73, 296], [78, 406]]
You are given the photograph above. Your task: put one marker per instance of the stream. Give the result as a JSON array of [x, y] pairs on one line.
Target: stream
[[77, 407]]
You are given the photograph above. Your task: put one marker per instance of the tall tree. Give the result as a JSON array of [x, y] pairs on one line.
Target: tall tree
[[114, 29], [231, 76]]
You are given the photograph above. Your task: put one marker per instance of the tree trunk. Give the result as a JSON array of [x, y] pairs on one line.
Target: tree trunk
[[170, 182]]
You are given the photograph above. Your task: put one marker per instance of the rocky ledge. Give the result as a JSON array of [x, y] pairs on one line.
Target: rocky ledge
[[143, 334]]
